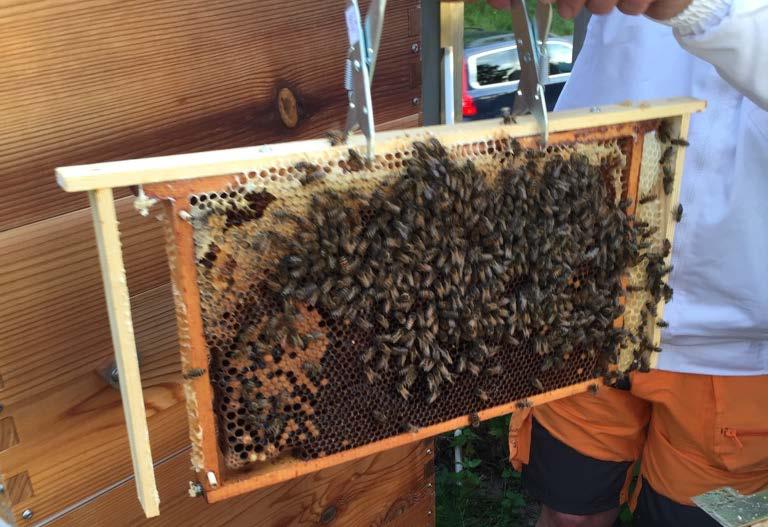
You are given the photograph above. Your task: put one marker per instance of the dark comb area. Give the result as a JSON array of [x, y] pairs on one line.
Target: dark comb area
[[341, 314]]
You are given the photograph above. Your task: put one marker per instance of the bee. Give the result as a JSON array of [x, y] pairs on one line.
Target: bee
[[677, 213], [313, 370], [391, 207], [482, 395], [680, 142], [647, 198], [371, 375], [547, 363], [667, 292], [666, 155], [379, 417], [275, 427], [474, 420], [668, 179], [506, 116], [336, 137], [355, 162], [495, 370], [662, 323], [593, 389], [663, 132], [367, 355], [312, 177], [537, 384], [410, 427], [666, 248], [402, 229], [525, 403], [194, 373]]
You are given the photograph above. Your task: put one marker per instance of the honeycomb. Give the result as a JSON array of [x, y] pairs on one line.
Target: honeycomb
[[346, 301], [647, 290]]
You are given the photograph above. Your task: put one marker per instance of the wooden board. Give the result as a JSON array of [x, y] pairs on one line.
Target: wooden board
[[73, 442], [53, 321], [390, 489], [87, 81]]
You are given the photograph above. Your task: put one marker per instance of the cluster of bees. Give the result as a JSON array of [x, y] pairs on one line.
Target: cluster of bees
[[446, 267], [442, 275]]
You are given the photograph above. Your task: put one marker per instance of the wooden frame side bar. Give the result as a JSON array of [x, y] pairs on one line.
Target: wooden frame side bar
[[669, 228], [121, 326], [173, 168]]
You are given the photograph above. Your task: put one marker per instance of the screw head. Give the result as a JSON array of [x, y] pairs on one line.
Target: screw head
[[2, 488], [356, 65], [415, 47], [27, 514], [429, 512], [416, 101], [429, 451], [114, 375]]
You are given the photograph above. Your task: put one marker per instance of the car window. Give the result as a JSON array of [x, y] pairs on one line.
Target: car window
[[497, 67], [559, 58]]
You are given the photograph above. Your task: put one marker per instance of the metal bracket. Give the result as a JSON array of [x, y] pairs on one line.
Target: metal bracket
[[530, 91], [110, 373], [361, 63]]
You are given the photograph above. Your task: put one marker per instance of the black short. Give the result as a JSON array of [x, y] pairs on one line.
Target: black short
[[572, 483]]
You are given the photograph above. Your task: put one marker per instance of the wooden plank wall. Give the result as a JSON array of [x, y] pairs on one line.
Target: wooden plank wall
[[91, 80]]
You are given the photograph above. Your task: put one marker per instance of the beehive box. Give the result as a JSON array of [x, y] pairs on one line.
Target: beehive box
[[330, 307]]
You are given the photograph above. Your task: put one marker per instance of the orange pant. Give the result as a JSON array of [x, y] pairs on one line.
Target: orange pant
[[694, 433]]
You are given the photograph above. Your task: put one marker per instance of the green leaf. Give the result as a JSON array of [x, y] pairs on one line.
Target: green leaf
[[471, 463]]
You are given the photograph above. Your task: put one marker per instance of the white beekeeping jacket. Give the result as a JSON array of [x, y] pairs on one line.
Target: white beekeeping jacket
[[718, 317]]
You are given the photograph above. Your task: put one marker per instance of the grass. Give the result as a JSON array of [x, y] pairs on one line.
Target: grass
[[480, 15]]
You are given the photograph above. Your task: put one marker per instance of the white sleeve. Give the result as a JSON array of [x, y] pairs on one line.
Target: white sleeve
[[732, 35]]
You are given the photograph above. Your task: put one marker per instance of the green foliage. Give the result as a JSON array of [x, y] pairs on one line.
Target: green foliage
[[487, 492], [479, 15]]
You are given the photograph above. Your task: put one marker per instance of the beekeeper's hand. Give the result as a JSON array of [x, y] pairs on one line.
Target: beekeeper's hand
[[658, 9]]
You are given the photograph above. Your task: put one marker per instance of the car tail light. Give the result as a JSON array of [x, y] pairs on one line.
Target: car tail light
[[468, 108]]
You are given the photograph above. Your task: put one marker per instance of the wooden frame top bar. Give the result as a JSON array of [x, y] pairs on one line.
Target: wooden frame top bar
[[187, 166]]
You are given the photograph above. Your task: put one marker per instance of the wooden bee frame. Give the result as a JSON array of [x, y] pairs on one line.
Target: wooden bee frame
[[173, 178]]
